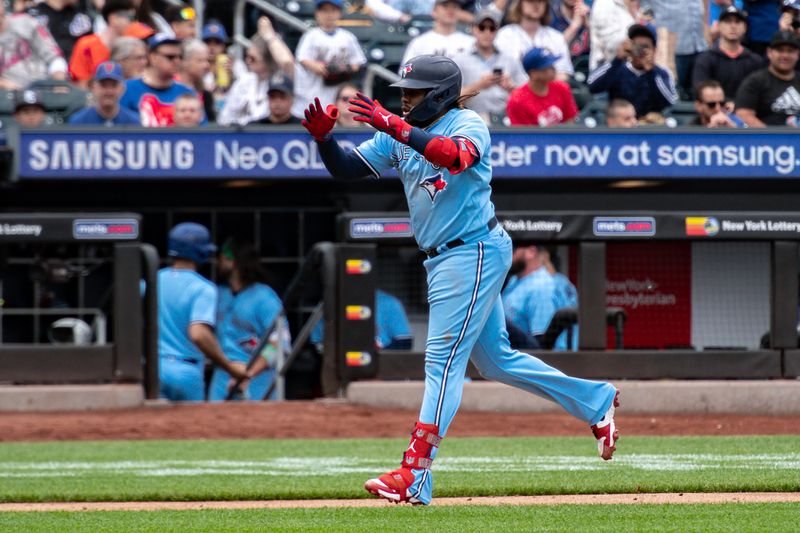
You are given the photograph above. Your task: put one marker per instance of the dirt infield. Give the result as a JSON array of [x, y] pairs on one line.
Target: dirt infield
[[575, 499], [338, 419]]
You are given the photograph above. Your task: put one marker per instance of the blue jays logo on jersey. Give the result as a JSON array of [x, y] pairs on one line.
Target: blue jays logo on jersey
[[406, 70], [434, 185]]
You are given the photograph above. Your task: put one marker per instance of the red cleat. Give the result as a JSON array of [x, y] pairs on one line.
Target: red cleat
[[606, 432], [393, 486]]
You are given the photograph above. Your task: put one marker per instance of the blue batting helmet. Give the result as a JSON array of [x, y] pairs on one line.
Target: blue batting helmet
[[192, 241], [439, 74]]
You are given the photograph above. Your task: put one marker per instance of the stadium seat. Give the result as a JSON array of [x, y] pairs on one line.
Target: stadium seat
[[580, 92], [61, 98], [594, 114], [6, 102], [682, 112]]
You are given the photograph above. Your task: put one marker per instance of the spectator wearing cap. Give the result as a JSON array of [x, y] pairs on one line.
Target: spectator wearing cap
[[29, 111], [528, 29], [634, 76], [181, 20], [727, 61], [246, 101], [327, 56], [543, 101], [487, 72], [153, 95], [713, 108], [94, 49], [688, 20], [64, 19], [107, 88], [608, 28], [771, 96], [188, 111], [131, 54], [790, 16], [571, 18], [762, 23], [28, 52], [444, 38], [216, 38], [621, 114], [196, 65], [281, 99]]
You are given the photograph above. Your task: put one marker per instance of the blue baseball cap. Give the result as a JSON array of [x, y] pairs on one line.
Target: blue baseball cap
[[110, 70], [337, 3], [538, 58], [215, 30], [160, 39]]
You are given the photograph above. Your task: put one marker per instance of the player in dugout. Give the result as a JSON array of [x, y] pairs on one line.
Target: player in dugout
[[441, 153]]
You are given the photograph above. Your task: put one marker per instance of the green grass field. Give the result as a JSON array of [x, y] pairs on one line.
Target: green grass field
[[306, 469]]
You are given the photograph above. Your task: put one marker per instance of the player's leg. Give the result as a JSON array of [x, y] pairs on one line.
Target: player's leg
[[460, 299], [585, 399]]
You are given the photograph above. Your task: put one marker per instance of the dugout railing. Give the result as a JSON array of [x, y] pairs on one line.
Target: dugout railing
[[590, 234], [129, 353]]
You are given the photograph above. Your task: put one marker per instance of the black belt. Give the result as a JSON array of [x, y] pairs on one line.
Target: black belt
[[433, 252]]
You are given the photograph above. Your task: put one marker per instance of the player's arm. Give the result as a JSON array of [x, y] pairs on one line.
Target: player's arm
[[203, 337], [456, 154], [342, 164]]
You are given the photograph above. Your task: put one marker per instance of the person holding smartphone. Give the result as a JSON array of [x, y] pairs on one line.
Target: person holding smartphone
[[634, 76], [488, 73]]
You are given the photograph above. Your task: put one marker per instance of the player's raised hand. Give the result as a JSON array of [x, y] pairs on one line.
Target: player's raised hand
[[319, 122], [373, 113]]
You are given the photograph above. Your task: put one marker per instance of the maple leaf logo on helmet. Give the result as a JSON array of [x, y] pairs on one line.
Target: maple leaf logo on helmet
[[406, 70]]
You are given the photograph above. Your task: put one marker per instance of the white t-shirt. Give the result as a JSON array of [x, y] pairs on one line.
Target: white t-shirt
[[340, 47], [245, 102], [437, 44], [513, 40]]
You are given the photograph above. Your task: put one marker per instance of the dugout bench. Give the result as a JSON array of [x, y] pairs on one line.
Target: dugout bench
[[126, 353], [590, 233]]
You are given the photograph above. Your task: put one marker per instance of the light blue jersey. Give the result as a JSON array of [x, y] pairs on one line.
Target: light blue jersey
[[443, 207], [184, 298], [243, 320], [391, 322], [530, 302], [466, 319]]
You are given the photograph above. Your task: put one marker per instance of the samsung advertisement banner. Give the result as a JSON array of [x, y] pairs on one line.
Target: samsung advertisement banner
[[219, 153]]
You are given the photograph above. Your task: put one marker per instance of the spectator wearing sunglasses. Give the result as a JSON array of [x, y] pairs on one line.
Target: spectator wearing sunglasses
[[92, 50], [713, 110], [153, 95], [487, 71], [182, 22]]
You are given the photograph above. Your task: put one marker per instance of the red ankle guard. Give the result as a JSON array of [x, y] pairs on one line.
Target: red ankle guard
[[424, 437]]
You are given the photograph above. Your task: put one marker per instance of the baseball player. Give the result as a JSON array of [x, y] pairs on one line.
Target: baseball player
[[187, 307], [441, 153], [247, 308]]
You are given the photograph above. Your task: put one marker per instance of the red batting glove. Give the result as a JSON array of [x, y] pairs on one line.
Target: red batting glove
[[320, 123], [370, 111]]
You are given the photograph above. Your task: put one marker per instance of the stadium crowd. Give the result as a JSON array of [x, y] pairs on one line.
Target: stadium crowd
[[709, 63]]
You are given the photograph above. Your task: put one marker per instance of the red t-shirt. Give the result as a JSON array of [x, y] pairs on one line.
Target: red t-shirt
[[528, 109]]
